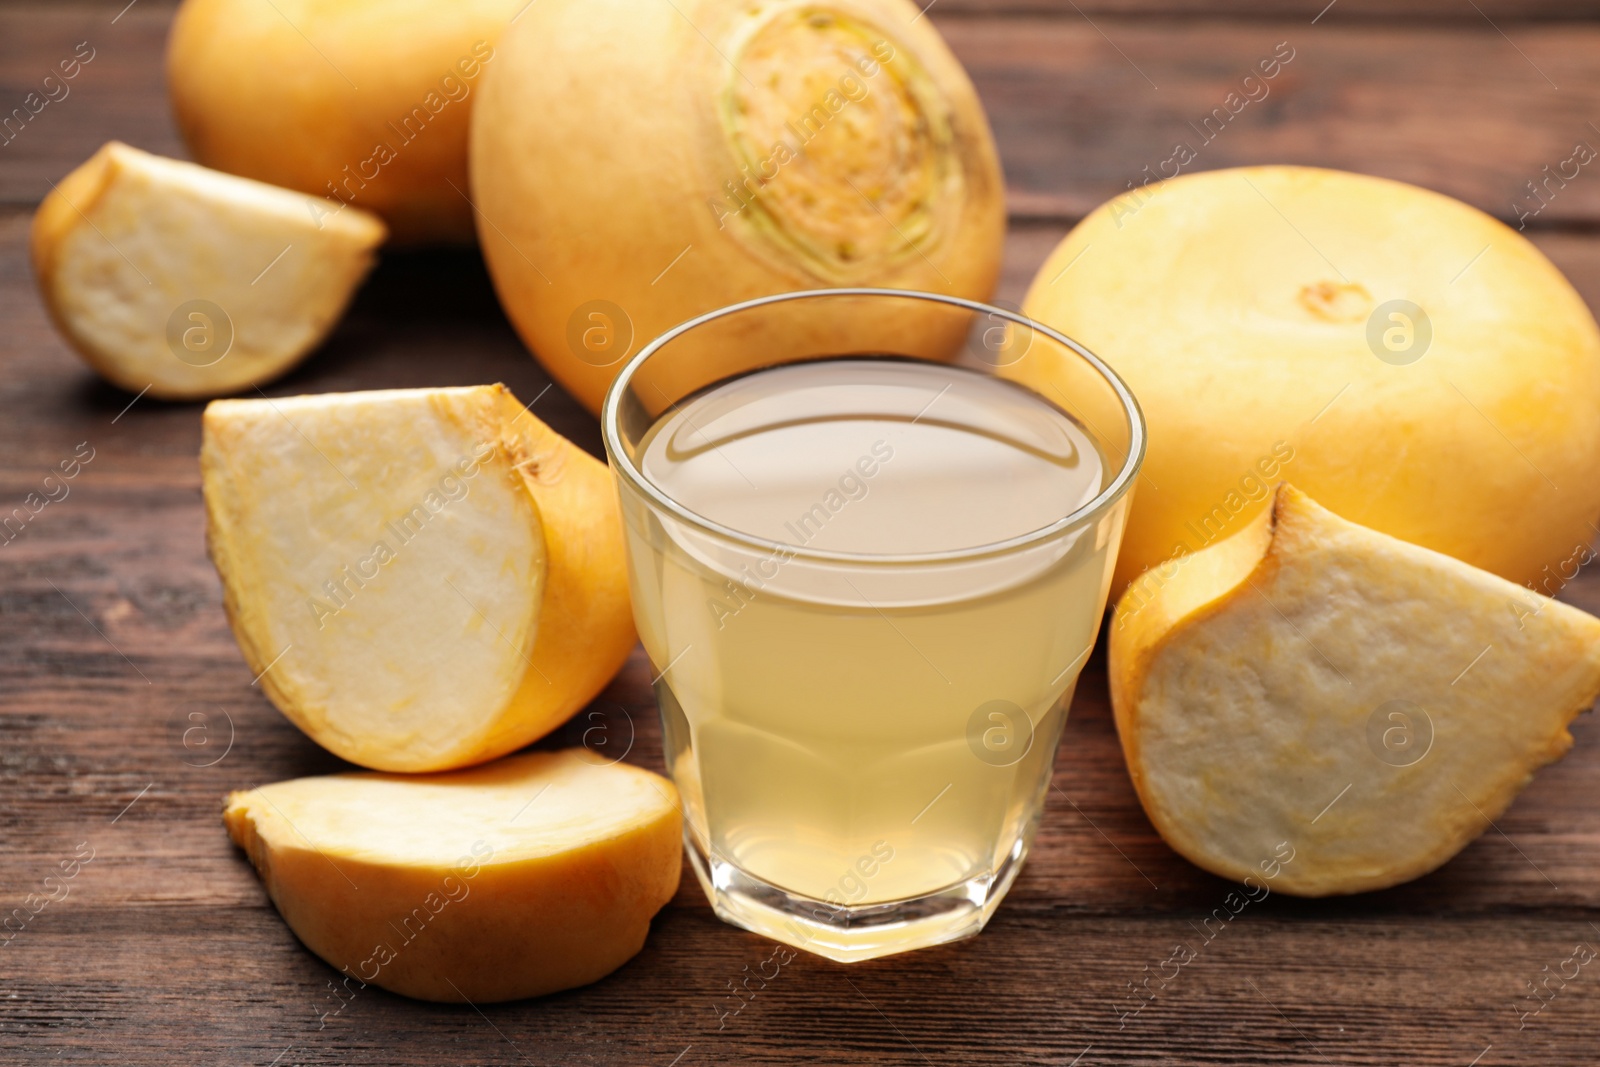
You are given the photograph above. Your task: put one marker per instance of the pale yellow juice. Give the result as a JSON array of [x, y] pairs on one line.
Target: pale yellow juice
[[848, 722]]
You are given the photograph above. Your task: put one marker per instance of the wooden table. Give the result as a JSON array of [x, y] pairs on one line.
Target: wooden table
[[165, 949]]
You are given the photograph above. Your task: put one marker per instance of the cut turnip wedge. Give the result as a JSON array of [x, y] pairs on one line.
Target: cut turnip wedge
[[188, 282], [420, 579], [1327, 709], [533, 874]]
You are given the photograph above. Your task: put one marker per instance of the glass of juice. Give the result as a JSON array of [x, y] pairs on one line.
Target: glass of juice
[[870, 537]]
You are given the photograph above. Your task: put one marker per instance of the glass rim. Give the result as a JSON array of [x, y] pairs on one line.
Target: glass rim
[[1101, 502]]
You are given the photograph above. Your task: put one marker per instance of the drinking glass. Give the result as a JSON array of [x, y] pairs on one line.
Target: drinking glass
[[864, 740]]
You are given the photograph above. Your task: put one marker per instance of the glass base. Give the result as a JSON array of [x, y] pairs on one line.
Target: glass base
[[851, 933]]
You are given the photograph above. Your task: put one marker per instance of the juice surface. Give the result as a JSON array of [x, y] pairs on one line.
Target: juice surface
[[950, 459]]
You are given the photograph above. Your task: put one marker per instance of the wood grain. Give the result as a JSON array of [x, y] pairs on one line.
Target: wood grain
[[1080, 114], [166, 951]]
